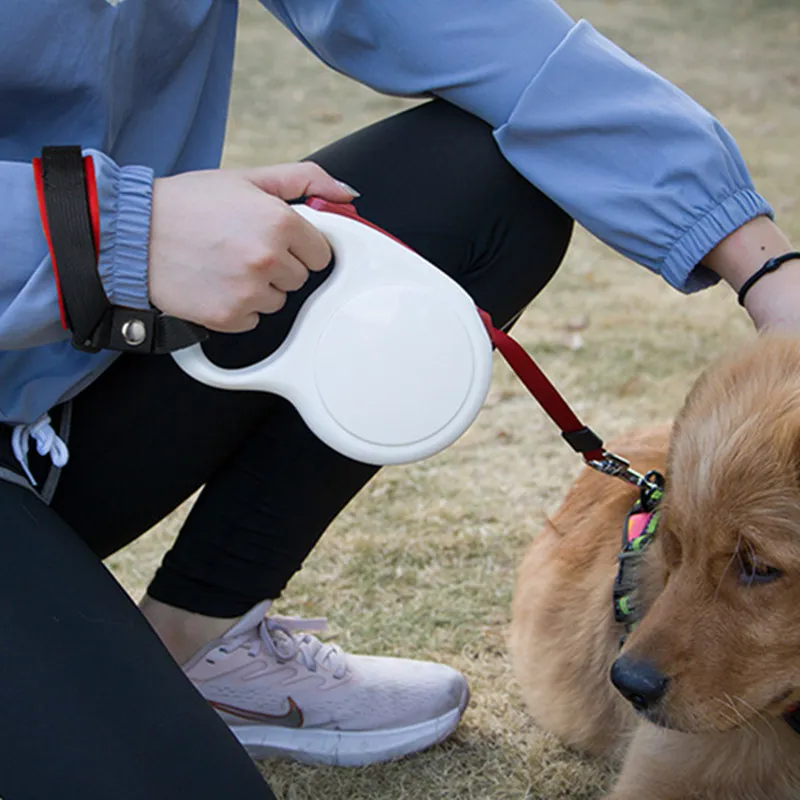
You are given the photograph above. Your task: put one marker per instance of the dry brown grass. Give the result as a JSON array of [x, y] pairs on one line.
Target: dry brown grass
[[422, 563]]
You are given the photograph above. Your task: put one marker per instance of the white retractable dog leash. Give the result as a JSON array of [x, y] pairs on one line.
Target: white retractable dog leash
[[390, 361], [387, 362]]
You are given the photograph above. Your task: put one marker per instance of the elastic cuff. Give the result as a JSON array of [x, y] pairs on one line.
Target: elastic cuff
[[683, 268], [125, 208]]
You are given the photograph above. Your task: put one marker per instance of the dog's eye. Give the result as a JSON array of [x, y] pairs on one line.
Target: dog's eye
[[754, 571]]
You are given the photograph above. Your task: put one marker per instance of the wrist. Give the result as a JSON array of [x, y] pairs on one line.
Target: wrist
[[774, 301], [70, 202], [773, 298], [770, 266], [739, 255]]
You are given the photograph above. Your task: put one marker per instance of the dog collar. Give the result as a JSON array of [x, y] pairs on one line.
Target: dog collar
[[638, 532]]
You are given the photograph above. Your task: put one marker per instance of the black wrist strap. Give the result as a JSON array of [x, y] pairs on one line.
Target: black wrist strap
[[94, 322], [770, 266]]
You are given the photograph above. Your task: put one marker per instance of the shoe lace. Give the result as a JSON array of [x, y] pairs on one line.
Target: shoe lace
[[47, 443], [279, 637]]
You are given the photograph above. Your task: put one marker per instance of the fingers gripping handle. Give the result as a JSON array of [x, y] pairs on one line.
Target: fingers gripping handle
[[266, 375]]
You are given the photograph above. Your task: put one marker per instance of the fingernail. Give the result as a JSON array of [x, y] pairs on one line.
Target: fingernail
[[349, 189]]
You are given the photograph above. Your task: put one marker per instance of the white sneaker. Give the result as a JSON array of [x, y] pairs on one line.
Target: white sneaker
[[284, 693]]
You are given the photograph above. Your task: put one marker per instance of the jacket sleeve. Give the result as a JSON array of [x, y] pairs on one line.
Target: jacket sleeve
[[29, 311], [626, 153]]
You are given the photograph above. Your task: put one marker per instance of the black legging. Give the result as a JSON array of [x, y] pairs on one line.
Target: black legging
[[92, 702], [432, 176]]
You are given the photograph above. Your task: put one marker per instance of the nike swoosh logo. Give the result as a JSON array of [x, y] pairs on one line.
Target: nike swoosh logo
[[293, 718]]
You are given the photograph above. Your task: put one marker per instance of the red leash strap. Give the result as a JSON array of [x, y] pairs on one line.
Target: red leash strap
[[582, 439]]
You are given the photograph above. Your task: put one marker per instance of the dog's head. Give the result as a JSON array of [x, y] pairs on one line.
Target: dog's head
[[720, 642]]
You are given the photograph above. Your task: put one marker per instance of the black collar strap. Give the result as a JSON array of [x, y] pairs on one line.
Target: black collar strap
[[638, 532], [67, 203]]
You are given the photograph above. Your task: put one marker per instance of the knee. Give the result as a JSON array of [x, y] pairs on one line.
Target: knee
[[518, 228], [521, 248], [545, 231]]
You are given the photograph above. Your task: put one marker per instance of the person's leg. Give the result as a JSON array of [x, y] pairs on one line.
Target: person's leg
[[93, 705], [434, 178]]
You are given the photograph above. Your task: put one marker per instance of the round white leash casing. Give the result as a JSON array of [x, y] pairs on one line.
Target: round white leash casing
[[388, 361]]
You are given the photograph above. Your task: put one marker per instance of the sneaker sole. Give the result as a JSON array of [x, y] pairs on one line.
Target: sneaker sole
[[346, 748]]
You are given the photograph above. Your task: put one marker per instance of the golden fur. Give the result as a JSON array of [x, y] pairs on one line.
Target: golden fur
[[730, 647]]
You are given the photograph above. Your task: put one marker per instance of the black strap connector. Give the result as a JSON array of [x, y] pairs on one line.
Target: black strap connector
[[583, 440]]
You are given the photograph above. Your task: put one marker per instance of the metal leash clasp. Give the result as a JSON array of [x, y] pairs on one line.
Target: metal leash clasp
[[618, 467]]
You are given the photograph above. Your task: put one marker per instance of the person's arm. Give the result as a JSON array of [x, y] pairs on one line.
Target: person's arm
[[29, 309], [631, 157]]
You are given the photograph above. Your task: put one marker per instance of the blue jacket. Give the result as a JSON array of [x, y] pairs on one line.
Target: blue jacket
[[143, 86]]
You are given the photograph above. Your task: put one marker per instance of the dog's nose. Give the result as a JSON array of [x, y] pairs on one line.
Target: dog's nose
[[639, 682]]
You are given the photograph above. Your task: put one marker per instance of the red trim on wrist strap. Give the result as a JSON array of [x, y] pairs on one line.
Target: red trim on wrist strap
[[94, 213], [37, 177], [94, 205]]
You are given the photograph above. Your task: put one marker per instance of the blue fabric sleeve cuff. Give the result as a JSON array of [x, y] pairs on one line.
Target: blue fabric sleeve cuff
[[125, 199], [631, 157], [682, 267]]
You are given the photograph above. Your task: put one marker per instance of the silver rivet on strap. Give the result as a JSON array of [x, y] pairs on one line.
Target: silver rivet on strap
[[134, 332]]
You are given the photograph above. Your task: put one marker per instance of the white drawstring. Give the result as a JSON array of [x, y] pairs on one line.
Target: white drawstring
[[47, 443]]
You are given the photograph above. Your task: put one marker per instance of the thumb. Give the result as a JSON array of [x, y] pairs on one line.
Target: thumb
[[290, 181]]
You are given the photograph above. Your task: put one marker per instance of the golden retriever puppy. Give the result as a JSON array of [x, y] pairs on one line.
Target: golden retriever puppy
[[694, 704]]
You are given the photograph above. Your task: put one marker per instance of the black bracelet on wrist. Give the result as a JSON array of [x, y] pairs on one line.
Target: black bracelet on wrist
[[770, 266]]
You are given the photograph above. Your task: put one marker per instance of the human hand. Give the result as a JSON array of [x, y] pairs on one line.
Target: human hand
[[225, 247], [774, 300]]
